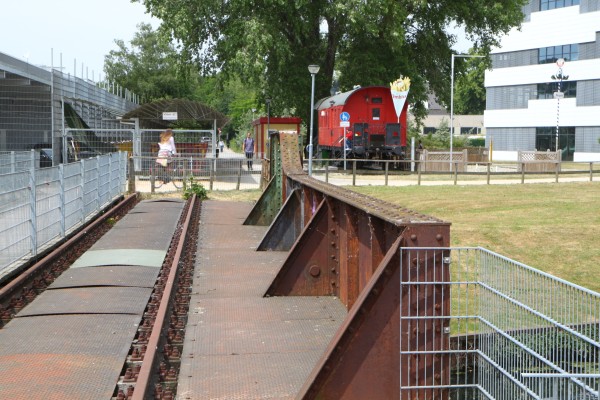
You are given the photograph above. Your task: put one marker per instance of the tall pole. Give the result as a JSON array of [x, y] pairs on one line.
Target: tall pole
[[313, 69], [451, 109], [558, 94], [452, 98], [268, 119]]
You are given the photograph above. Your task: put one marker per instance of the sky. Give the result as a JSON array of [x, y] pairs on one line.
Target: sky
[[82, 31]]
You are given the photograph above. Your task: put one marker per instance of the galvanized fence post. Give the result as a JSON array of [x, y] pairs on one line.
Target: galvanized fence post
[[131, 167], [98, 188], [419, 172], [522, 172], [211, 174], [591, 171], [33, 204], [82, 183], [327, 172], [61, 178], [239, 175], [354, 173], [488, 172], [13, 160]]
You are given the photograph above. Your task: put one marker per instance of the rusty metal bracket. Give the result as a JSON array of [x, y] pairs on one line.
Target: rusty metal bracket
[[285, 228], [267, 206]]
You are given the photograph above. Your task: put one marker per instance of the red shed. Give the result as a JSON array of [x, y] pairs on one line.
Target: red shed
[[373, 129]]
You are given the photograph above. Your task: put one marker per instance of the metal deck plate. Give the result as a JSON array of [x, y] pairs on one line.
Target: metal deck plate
[[148, 258], [245, 376], [89, 300], [45, 366], [226, 273], [213, 310], [261, 336], [158, 220], [225, 212], [114, 275]]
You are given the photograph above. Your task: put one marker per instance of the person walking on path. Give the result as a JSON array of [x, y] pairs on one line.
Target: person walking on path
[[249, 149]]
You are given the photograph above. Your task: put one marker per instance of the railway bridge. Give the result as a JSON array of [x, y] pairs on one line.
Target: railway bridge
[[314, 292]]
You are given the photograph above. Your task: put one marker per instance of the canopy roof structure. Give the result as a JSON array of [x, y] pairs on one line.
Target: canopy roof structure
[[151, 114]]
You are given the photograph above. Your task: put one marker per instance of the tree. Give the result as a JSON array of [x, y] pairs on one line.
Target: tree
[[469, 90], [152, 67], [270, 43]]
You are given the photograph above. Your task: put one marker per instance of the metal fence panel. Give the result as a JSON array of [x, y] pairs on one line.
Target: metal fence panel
[[515, 332], [223, 173], [39, 206]]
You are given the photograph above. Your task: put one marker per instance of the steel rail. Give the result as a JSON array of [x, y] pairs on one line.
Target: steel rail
[[150, 358]]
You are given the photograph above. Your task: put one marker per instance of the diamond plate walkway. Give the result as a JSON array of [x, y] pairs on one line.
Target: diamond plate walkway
[[239, 344]]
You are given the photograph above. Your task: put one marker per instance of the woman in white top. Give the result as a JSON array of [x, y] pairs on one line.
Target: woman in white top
[[166, 146]]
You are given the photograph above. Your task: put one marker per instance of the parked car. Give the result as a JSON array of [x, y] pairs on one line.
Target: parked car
[[76, 151]]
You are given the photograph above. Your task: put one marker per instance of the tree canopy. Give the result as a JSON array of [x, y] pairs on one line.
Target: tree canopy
[[270, 43], [151, 68]]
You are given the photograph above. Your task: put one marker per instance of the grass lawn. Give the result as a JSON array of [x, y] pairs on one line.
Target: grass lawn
[[551, 227], [548, 226]]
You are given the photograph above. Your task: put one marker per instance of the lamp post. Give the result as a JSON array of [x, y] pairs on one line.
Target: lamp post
[[452, 98], [313, 69], [268, 101], [558, 94]]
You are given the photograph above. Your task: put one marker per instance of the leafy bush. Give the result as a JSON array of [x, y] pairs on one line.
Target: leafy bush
[[477, 142], [195, 188]]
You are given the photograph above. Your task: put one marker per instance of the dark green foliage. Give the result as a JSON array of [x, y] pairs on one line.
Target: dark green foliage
[[195, 188], [269, 45]]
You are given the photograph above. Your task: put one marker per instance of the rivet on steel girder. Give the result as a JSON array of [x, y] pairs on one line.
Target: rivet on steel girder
[[314, 270], [439, 237], [413, 237]]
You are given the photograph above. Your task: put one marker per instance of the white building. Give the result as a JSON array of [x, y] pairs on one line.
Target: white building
[[522, 112]]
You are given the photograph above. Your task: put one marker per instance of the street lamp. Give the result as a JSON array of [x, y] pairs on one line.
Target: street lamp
[[313, 69], [452, 99], [558, 94]]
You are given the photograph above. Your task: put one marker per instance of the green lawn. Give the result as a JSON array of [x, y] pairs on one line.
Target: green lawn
[[551, 227]]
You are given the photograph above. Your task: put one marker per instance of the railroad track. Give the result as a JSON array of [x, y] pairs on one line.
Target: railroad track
[[152, 365]]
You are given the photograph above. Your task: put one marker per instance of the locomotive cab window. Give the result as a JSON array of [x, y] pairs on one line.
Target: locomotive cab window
[[375, 113], [377, 100]]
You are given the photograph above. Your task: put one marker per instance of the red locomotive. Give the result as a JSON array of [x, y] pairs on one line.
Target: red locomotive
[[372, 130]]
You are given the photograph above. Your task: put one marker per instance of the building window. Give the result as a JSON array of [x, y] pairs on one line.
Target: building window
[[546, 90], [552, 4], [545, 140], [549, 55], [470, 130], [428, 130]]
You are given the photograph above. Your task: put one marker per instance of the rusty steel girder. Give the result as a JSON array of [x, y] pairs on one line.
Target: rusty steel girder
[[347, 245]]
